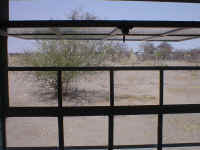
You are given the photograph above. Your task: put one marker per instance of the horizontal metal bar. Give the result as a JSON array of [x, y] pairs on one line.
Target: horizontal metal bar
[[190, 38], [96, 39], [32, 148], [101, 110], [165, 33], [86, 147], [86, 39], [93, 34], [108, 68], [181, 145], [106, 147], [155, 145], [99, 23], [134, 146]]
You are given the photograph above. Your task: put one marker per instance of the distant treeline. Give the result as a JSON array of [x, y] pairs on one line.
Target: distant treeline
[[15, 54], [165, 51]]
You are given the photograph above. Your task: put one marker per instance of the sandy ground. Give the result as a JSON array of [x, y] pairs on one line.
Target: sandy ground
[[131, 88]]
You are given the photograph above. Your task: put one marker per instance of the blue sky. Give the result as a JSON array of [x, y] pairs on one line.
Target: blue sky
[[58, 9]]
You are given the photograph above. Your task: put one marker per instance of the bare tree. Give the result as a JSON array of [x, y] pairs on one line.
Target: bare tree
[[164, 50], [148, 49]]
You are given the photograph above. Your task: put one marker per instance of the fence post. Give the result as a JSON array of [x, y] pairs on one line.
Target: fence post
[[4, 17]]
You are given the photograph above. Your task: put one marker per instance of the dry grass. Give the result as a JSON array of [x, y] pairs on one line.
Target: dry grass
[[131, 88], [143, 98]]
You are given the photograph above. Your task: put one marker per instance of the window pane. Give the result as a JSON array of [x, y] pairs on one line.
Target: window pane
[[136, 88], [28, 88], [181, 128], [140, 129], [32, 132], [85, 88], [182, 87], [86, 131]]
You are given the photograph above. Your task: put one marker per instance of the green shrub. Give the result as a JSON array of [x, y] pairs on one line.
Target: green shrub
[[68, 53], [64, 53]]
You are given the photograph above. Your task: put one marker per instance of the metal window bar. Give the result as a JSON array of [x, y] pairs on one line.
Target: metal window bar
[[160, 115], [109, 111], [3, 89], [111, 117], [60, 116]]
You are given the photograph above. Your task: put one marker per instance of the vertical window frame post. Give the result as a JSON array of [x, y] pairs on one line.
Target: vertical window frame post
[[4, 18]]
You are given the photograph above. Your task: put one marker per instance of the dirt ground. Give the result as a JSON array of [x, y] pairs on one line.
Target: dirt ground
[[131, 88]]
